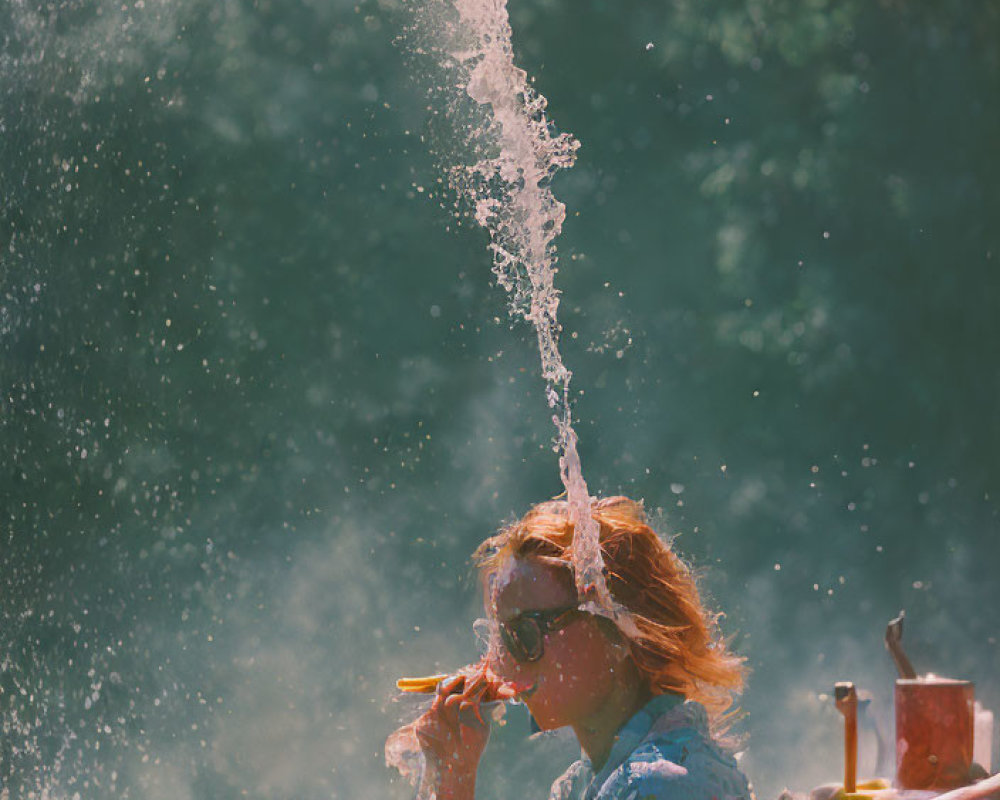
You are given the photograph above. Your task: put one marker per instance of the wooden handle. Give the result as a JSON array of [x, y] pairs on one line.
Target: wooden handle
[[846, 698]]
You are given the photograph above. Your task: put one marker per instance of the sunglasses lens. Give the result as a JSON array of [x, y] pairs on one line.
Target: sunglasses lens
[[526, 633], [512, 645]]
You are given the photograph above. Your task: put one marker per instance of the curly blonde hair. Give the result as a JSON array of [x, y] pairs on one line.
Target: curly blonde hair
[[678, 648]]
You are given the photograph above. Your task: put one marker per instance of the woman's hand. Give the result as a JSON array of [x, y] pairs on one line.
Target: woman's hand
[[453, 732]]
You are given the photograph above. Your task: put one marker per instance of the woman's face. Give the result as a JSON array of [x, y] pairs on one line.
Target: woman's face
[[576, 672]]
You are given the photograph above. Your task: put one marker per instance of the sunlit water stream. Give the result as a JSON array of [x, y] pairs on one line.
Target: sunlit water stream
[[501, 163], [260, 401]]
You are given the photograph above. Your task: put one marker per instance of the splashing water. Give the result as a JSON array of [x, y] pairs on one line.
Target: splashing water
[[516, 154], [508, 186]]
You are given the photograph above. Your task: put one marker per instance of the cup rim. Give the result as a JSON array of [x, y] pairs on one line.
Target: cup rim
[[932, 682]]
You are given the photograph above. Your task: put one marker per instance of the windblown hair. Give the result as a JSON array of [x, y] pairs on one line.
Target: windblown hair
[[679, 648]]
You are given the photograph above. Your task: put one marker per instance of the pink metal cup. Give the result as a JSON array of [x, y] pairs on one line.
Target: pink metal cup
[[934, 727]]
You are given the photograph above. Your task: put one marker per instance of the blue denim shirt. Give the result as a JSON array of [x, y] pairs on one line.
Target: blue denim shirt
[[664, 752]]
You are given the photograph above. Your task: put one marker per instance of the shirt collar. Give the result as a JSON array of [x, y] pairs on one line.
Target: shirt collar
[[632, 733]]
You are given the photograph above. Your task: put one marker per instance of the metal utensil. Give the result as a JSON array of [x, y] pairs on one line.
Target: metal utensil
[[894, 644]]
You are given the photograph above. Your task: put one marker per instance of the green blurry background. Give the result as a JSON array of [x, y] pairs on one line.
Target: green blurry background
[[260, 400]]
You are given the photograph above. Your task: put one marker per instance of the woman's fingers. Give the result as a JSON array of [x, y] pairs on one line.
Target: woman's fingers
[[450, 685], [446, 689], [451, 706], [471, 700], [471, 714], [463, 708], [458, 697], [476, 692], [475, 683]]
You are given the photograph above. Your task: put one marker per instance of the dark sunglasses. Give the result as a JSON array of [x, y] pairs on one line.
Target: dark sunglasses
[[524, 635]]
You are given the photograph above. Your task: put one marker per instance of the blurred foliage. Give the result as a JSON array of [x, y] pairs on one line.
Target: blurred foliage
[[259, 401]]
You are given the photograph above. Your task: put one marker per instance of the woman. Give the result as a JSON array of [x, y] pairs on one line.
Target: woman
[[643, 706]]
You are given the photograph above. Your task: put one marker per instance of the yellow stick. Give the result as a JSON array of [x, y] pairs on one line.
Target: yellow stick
[[425, 685]]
